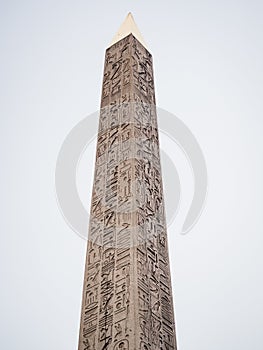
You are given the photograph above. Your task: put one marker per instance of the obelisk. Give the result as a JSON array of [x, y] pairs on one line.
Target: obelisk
[[127, 296]]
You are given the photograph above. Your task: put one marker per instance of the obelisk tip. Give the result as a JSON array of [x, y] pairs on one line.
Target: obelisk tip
[[128, 27]]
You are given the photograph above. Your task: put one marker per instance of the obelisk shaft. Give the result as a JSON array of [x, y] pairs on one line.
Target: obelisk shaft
[[127, 297]]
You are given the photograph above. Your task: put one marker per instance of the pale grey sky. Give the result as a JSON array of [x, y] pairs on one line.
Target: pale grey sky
[[208, 71]]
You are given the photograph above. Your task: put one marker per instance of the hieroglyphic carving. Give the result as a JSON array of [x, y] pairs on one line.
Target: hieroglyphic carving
[[127, 296], [122, 345]]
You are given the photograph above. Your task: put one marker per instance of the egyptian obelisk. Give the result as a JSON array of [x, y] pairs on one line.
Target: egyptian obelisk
[[127, 296]]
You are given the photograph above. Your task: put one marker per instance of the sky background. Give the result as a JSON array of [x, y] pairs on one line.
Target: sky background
[[208, 72]]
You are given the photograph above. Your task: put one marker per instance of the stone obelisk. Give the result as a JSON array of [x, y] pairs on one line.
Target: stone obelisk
[[127, 297]]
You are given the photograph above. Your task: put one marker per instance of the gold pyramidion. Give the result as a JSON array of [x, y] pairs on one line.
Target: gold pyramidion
[[128, 27]]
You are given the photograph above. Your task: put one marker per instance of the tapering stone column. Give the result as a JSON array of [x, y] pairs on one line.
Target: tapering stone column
[[127, 297]]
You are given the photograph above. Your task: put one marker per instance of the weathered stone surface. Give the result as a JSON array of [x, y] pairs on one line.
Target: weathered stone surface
[[127, 297]]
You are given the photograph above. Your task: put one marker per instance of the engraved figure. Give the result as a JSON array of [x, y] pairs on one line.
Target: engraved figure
[[118, 330], [122, 345]]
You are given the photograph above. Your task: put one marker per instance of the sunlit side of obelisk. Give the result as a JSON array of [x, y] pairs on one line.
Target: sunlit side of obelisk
[[127, 296]]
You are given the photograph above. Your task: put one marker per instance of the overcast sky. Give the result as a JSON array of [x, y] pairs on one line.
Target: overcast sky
[[208, 72]]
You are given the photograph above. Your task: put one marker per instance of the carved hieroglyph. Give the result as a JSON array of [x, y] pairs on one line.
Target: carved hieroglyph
[[127, 297]]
